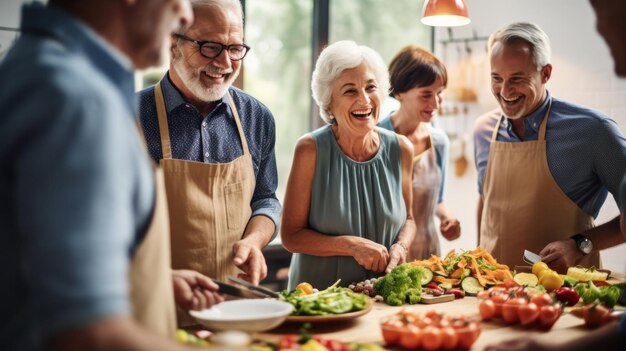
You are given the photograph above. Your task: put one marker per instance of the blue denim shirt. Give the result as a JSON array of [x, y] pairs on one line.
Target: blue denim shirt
[[76, 189], [214, 138], [585, 149]]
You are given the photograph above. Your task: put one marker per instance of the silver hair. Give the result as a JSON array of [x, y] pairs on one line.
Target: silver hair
[[338, 57], [528, 32], [232, 4]]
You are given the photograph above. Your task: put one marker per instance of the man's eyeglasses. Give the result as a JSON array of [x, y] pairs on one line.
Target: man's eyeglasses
[[211, 49]]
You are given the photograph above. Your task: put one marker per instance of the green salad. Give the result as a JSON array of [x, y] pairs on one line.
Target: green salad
[[332, 300]]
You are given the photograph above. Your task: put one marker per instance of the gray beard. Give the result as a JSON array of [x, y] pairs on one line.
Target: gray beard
[[191, 79]]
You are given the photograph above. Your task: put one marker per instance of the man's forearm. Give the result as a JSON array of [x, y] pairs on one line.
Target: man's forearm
[[259, 231], [606, 235]]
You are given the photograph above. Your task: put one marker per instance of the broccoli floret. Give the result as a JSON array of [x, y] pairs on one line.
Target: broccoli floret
[[401, 284], [591, 294], [609, 295]]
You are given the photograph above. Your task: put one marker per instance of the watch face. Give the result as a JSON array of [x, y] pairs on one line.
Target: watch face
[[585, 246]]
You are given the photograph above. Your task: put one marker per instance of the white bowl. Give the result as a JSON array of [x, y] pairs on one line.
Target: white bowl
[[245, 315]]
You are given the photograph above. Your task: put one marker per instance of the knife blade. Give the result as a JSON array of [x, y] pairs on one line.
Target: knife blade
[[251, 286], [238, 291], [531, 257]]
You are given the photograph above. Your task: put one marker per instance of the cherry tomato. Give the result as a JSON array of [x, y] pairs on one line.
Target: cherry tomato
[[487, 309], [467, 335], [528, 314], [548, 315], [305, 287], [449, 338], [431, 338], [541, 299], [287, 342], [411, 338], [485, 294], [594, 315], [510, 308], [392, 331], [498, 300], [566, 295]]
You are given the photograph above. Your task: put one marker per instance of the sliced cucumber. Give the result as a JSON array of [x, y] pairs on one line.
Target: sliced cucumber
[[427, 276], [471, 286], [466, 273]]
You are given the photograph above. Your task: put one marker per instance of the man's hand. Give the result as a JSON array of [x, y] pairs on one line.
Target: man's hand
[[560, 255], [194, 291], [450, 228], [250, 260]]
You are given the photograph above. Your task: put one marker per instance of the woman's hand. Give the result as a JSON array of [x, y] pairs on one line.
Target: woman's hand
[[194, 291], [372, 256], [397, 256], [450, 228]]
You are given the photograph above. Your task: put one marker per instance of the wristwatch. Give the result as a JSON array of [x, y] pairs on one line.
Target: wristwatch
[[583, 243]]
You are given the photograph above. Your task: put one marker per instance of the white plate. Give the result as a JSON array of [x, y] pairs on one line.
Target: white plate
[[245, 315]]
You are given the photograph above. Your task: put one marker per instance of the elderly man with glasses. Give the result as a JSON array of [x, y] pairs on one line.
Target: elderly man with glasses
[[215, 144]]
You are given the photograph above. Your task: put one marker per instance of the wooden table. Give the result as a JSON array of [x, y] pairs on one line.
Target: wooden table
[[367, 327]]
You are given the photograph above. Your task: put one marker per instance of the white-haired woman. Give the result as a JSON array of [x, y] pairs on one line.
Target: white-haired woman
[[348, 199]]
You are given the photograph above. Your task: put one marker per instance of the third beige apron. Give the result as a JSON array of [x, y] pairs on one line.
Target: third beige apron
[[426, 181], [524, 207]]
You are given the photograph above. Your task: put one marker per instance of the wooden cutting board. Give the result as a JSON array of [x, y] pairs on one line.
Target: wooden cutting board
[[430, 299]]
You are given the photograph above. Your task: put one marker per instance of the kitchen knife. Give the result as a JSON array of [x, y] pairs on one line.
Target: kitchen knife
[[256, 288], [531, 257], [238, 291]]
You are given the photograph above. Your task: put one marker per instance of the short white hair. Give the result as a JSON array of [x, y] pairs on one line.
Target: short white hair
[[338, 57], [528, 32], [232, 4]]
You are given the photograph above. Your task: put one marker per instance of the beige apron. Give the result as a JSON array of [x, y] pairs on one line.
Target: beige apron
[[426, 181], [152, 293], [524, 207], [209, 204]]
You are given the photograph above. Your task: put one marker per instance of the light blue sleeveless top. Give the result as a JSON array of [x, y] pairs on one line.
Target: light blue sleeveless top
[[362, 199]]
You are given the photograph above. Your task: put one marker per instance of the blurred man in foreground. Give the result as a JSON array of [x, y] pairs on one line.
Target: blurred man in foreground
[[84, 245]]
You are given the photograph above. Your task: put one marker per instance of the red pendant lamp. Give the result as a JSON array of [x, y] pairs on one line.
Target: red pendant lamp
[[445, 13]]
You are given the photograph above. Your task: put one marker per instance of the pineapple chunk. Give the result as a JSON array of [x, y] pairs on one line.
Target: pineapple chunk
[[586, 274]]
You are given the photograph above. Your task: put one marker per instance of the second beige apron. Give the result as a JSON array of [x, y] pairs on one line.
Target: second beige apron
[[524, 207], [209, 204], [426, 181]]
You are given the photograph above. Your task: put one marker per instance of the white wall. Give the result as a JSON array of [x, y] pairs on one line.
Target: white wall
[[9, 17], [583, 73]]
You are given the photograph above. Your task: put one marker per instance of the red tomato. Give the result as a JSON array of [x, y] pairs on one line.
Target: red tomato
[[548, 315], [288, 342], [487, 309], [510, 308], [499, 299], [594, 315], [541, 299], [411, 338], [424, 322], [467, 335], [568, 296], [449, 338], [528, 314], [485, 294], [391, 331], [431, 338]]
